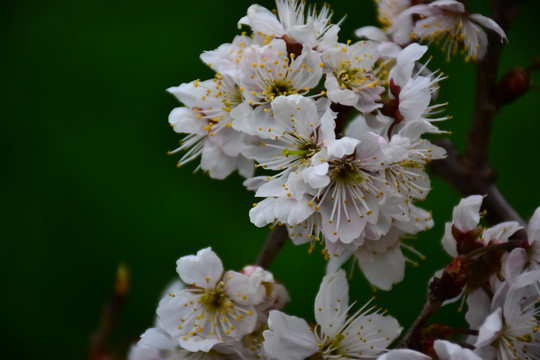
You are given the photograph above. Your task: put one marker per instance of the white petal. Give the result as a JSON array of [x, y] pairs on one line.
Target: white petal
[[371, 33], [403, 354], [218, 164], [405, 63], [263, 213], [466, 214], [385, 269], [450, 351], [241, 289], [341, 147], [338, 95], [263, 20], [448, 242], [205, 269], [184, 120], [490, 329], [332, 302], [489, 24], [289, 337], [478, 304], [197, 343], [533, 230]]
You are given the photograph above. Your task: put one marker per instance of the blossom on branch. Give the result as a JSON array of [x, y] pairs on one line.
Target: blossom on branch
[[365, 334]]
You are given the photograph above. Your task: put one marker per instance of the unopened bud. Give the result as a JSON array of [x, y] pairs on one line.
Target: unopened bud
[[513, 84], [452, 281], [467, 241]]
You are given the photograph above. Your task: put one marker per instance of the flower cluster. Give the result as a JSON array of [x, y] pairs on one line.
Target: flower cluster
[[331, 138], [334, 129], [446, 22], [503, 282], [217, 314]]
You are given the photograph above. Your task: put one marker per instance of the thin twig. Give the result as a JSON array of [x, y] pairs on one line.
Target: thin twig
[[274, 242], [472, 173], [470, 180], [411, 338]]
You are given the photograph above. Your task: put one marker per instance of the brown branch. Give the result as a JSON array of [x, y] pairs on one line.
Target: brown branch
[[411, 339], [274, 242], [469, 180], [472, 173], [502, 12]]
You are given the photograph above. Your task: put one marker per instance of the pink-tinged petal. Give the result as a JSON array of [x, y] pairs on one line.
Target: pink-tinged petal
[[450, 351], [403, 354], [198, 343], [332, 302], [384, 269], [533, 230], [489, 24], [240, 289], [491, 329], [466, 214], [204, 269], [515, 262], [289, 337], [523, 293]]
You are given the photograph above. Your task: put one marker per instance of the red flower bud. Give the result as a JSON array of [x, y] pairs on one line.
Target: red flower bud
[[513, 84]]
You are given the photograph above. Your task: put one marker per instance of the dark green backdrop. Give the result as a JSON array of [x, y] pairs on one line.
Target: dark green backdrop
[[87, 182]]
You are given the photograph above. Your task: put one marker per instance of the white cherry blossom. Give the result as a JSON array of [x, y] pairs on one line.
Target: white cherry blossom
[[449, 22], [206, 119], [215, 306], [511, 331], [155, 344], [293, 23], [365, 334], [350, 75], [269, 72]]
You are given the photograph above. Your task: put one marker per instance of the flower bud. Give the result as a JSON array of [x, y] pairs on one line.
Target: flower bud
[[452, 281], [513, 84]]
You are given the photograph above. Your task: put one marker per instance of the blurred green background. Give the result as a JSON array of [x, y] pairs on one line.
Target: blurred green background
[[87, 182]]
